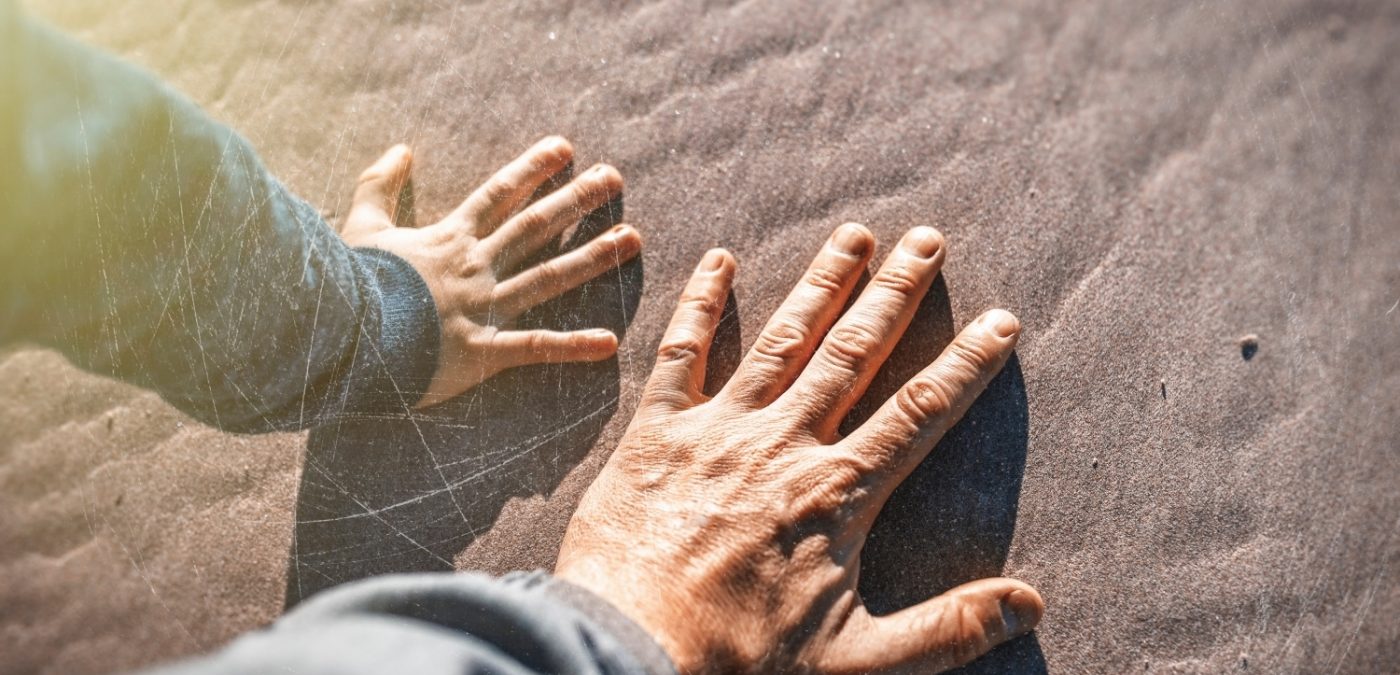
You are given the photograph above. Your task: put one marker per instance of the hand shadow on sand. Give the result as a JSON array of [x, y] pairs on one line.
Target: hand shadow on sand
[[951, 522], [408, 493]]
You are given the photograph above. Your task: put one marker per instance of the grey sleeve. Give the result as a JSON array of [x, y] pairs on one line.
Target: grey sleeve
[[147, 242], [435, 624]]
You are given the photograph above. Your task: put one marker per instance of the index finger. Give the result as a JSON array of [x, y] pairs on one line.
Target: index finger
[[497, 198], [678, 379]]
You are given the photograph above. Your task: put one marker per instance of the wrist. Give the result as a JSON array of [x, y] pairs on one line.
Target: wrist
[[686, 653]]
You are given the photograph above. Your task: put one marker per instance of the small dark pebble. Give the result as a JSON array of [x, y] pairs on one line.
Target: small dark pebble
[[1249, 346], [1094, 463]]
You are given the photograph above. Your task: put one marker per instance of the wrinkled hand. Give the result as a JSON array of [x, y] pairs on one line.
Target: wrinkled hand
[[731, 528], [470, 260]]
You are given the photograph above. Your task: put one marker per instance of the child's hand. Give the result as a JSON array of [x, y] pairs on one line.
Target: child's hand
[[470, 260]]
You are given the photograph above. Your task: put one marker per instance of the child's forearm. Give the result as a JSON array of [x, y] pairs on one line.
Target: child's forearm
[[147, 242]]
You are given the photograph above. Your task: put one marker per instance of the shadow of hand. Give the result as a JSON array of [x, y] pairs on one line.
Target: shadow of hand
[[952, 520], [407, 493]]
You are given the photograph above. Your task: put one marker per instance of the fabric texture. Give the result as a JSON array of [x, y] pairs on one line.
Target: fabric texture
[[147, 242], [445, 623]]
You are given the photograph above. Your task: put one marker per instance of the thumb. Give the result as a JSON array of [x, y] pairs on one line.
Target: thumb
[[952, 629], [376, 198]]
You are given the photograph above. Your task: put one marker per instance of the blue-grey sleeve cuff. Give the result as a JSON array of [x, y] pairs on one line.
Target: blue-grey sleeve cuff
[[446, 623], [632, 638], [400, 340]]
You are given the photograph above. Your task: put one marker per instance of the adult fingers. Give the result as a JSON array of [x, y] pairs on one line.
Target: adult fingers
[[376, 199], [942, 633], [903, 431], [678, 379], [514, 348], [790, 337], [497, 198], [547, 218], [855, 348], [566, 272]]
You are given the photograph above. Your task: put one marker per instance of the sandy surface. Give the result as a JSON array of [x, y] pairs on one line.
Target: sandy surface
[[1143, 183]]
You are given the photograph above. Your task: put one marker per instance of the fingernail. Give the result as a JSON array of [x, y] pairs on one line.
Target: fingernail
[[713, 261], [619, 232], [851, 240], [923, 241], [601, 334], [1002, 322], [1019, 614]]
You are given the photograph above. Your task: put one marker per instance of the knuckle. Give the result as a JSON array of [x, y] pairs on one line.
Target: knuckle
[[848, 472], [828, 488], [851, 343], [969, 637], [659, 398], [704, 305], [533, 219], [901, 280], [604, 253], [497, 190], [683, 347], [970, 355], [371, 175], [782, 341], [924, 397], [582, 192], [549, 274], [824, 279]]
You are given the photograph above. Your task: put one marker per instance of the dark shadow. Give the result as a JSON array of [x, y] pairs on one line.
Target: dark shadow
[[408, 494], [1021, 656], [952, 521], [727, 349]]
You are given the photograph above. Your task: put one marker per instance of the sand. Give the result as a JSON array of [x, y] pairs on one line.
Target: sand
[[1144, 184]]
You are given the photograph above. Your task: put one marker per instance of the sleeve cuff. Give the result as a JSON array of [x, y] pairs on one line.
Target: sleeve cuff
[[633, 639], [400, 338], [541, 623]]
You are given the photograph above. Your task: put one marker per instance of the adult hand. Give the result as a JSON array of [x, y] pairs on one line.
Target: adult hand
[[470, 260], [731, 528]]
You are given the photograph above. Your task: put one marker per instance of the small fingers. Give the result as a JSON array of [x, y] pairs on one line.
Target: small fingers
[[860, 342], [375, 202], [903, 431], [554, 277], [678, 379], [497, 198], [945, 632], [515, 348], [544, 220], [790, 337]]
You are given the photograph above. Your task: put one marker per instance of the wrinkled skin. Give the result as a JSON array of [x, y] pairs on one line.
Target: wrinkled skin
[[731, 528], [471, 259]]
